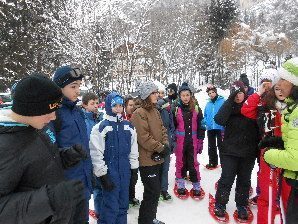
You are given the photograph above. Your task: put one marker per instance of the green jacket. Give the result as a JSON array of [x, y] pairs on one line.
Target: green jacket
[[287, 159]]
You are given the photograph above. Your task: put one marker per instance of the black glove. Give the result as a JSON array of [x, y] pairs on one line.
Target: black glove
[[232, 95], [156, 157], [72, 156], [68, 193], [106, 183], [166, 151], [271, 142]]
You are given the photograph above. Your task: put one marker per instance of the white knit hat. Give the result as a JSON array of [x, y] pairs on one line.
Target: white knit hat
[[146, 88], [269, 74], [289, 71]]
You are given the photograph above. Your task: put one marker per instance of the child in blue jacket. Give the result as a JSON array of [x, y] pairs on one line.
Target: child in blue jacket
[[214, 131], [71, 129], [114, 152]]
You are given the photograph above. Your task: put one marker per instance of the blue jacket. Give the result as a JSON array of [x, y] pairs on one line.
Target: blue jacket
[[73, 131], [164, 109], [90, 120], [210, 111], [113, 145]]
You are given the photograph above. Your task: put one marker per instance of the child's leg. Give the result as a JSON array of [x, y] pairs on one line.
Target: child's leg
[[179, 157], [132, 187], [97, 196], [229, 169], [164, 174], [212, 147], [244, 169], [218, 142], [110, 204], [123, 199], [150, 176]]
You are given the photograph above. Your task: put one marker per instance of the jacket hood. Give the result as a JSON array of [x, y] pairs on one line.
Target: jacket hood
[[108, 103], [8, 125]]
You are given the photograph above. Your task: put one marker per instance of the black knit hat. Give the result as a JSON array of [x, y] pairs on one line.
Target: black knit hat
[[184, 87], [36, 95], [172, 86], [243, 78]]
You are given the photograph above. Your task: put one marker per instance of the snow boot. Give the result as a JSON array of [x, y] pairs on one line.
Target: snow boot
[[220, 210], [181, 191], [155, 221], [242, 212], [165, 196]]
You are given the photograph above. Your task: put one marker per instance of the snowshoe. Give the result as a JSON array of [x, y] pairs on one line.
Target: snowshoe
[[211, 166], [155, 221], [225, 216], [243, 215], [197, 194], [181, 193], [165, 196], [134, 203], [93, 214], [253, 201]]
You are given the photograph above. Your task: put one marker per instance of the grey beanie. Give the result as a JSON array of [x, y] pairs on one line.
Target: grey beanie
[[146, 88]]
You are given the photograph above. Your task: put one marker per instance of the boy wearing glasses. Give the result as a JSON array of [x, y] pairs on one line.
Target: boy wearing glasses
[[214, 131], [70, 128]]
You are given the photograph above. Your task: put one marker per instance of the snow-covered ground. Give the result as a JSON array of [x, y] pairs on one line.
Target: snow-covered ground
[[190, 211]]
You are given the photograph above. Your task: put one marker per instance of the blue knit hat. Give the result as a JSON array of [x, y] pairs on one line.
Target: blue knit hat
[[66, 74], [117, 100], [184, 87]]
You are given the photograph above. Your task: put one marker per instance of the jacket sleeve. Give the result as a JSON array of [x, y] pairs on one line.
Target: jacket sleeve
[[250, 106], [288, 158], [97, 148], [224, 113], [134, 152], [201, 125], [145, 139], [20, 207]]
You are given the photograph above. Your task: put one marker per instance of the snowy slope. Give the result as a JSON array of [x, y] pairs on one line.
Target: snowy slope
[[190, 211]]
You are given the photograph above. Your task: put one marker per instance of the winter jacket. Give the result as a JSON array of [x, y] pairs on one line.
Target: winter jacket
[[241, 133], [29, 161], [113, 144], [73, 131], [152, 135], [91, 119], [288, 158], [164, 109], [210, 111]]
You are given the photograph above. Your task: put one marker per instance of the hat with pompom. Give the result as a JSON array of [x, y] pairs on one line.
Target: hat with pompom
[[184, 87], [289, 71]]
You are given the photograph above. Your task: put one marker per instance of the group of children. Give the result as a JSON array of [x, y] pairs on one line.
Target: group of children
[[77, 153]]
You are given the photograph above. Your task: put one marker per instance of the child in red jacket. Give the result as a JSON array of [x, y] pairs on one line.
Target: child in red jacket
[[266, 106]]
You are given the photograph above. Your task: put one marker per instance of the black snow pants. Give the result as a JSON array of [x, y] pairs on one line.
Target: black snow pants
[[292, 209], [231, 167], [214, 142]]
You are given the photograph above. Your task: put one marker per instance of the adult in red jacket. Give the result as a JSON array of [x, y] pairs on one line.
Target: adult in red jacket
[[266, 107]]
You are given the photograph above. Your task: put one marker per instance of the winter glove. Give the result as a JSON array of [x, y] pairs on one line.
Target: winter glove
[[72, 156], [200, 145], [166, 151], [66, 193], [271, 142], [156, 157], [106, 183], [232, 96]]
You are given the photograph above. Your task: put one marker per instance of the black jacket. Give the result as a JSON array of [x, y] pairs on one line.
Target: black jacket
[[29, 161], [241, 136]]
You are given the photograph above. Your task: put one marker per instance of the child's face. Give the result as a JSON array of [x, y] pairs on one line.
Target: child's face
[[92, 106], [72, 90], [185, 97], [39, 122], [154, 97], [285, 87], [278, 93], [239, 97], [161, 94], [212, 94], [130, 106], [117, 109]]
